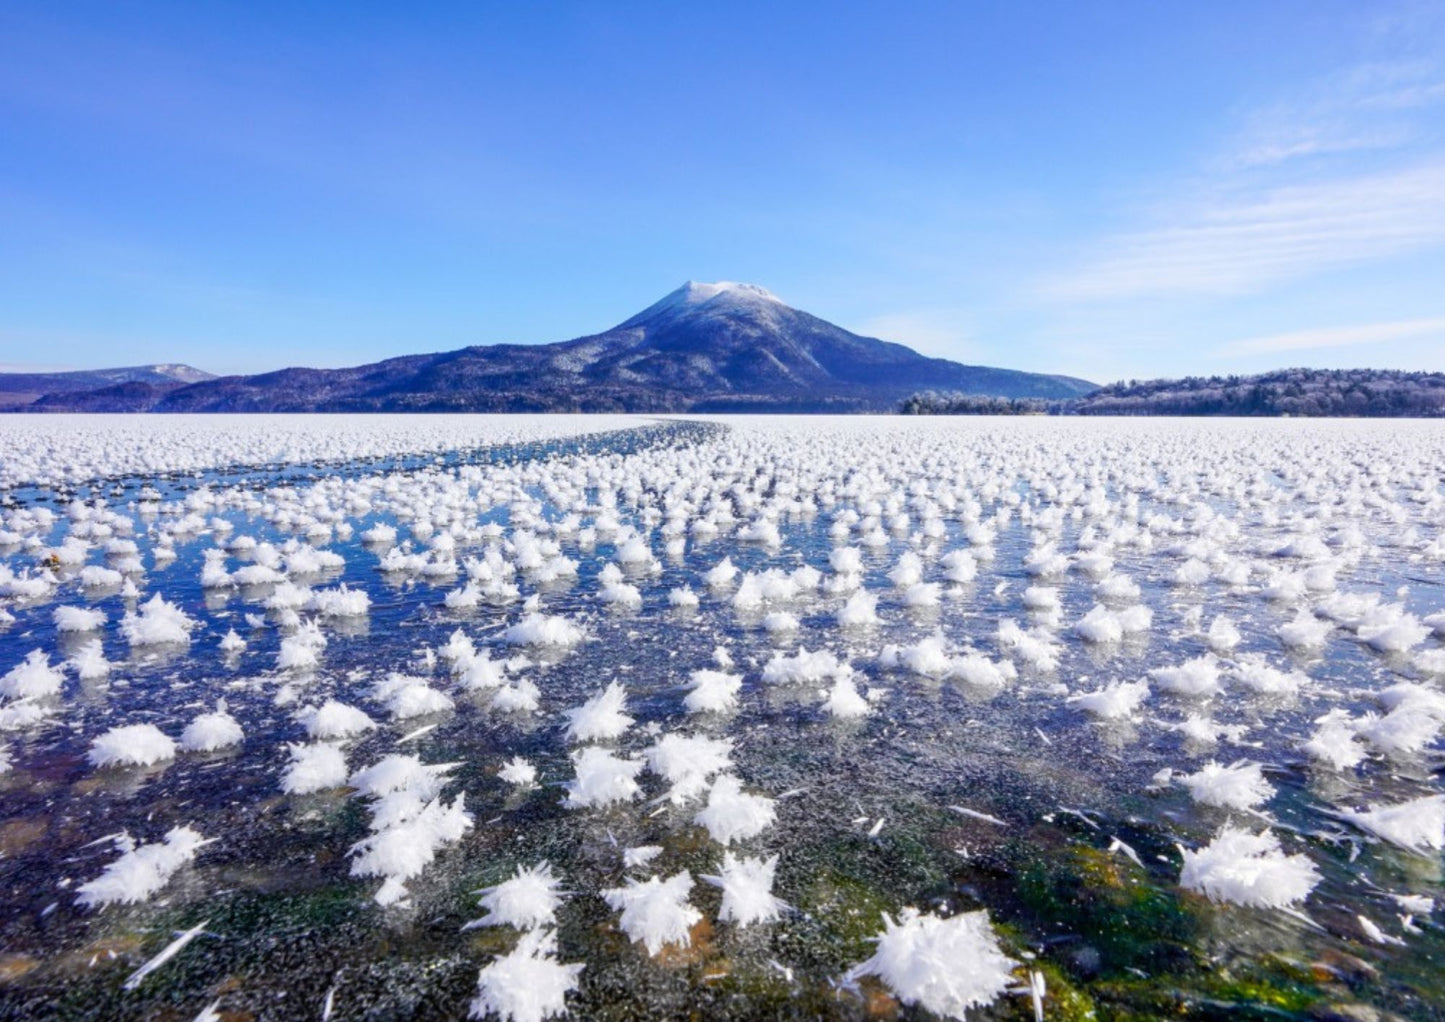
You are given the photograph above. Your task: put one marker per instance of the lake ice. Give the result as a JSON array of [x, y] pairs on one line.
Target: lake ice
[[620, 717]]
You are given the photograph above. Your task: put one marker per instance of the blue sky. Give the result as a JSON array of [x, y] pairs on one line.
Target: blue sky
[[1104, 189]]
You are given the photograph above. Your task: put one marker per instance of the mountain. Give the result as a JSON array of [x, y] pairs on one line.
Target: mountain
[[19, 389], [704, 347]]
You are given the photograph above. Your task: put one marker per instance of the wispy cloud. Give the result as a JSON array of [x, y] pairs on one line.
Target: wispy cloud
[[1373, 106], [1346, 170], [1246, 242], [1336, 337]]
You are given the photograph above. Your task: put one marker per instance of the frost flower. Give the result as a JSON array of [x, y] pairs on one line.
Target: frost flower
[[945, 966]]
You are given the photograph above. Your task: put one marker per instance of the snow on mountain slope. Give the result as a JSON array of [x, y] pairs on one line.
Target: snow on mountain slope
[[725, 295]]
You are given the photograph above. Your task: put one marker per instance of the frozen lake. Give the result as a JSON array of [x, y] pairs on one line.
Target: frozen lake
[[281, 695]]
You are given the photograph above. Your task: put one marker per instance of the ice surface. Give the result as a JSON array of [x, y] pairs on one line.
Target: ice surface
[[772, 652]]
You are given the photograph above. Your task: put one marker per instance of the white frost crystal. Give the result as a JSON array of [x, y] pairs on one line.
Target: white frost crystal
[[527, 901], [1237, 786], [1417, 825], [747, 886], [212, 731], [142, 870], [528, 985], [131, 745], [732, 814], [1248, 869], [656, 912], [601, 718], [602, 778], [945, 966]]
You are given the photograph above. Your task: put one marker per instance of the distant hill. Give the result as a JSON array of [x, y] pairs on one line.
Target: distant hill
[[1308, 392], [704, 347], [1373, 393], [20, 389]]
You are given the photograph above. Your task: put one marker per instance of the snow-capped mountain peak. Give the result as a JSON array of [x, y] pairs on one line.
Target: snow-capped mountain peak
[[694, 294]]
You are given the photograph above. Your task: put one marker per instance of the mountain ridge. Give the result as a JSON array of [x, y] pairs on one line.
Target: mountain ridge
[[722, 346], [20, 389]]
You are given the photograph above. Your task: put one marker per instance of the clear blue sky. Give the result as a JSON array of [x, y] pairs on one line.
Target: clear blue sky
[[1104, 189]]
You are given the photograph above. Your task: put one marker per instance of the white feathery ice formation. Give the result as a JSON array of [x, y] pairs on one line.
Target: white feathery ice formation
[[132, 745], [518, 772], [688, 763], [332, 720], [32, 678], [1248, 869], [527, 901], [1116, 700], [712, 691], [1417, 825], [528, 984], [315, 767], [1236, 786], [655, 912], [410, 822], [602, 778], [142, 870], [212, 731], [747, 886], [945, 966], [732, 814], [601, 718]]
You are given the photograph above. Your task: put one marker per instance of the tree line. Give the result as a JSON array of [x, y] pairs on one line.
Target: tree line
[[1376, 393]]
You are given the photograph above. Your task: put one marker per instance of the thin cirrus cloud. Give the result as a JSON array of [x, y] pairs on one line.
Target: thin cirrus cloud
[[1252, 241], [1314, 140], [1374, 106], [1336, 337], [1299, 189]]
